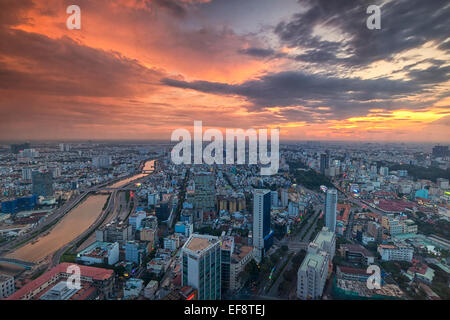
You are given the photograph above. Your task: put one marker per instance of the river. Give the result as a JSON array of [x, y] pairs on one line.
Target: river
[[72, 225]]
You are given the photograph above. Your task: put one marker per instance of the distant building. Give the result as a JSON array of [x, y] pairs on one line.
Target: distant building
[[324, 162], [440, 151], [205, 191], [16, 148], [102, 161], [201, 266], [27, 174], [42, 183], [19, 204]]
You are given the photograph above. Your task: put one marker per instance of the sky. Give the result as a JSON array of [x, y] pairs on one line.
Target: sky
[[139, 69]]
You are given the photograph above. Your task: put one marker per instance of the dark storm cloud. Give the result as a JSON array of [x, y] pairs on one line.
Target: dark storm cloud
[[344, 96], [258, 52], [405, 24]]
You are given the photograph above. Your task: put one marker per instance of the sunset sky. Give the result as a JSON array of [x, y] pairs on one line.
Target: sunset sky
[[138, 69]]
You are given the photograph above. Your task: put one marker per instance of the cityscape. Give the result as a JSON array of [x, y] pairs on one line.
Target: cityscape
[[332, 182]]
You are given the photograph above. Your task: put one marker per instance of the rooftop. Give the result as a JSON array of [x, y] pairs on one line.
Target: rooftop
[[200, 242]]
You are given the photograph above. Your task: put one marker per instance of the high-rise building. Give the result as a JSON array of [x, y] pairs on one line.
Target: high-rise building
[[205, 191], [313, 271], [226, 252], [384, 171], [330, 209], [284, 197], [440, 151], [201, 266], [262, 235], [16, 148], [42, 183], [26, 173], [324, 162], [274, 199], [101, 161]]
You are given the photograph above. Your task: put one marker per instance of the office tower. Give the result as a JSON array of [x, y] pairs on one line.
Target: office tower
[[274, 199], [226, 252], [26, 173], [205, 191], [42, 183], [102, 161], [262, 235], [201, 266], [440, 151], [330, 209], [16, 148], [384, 171], [284, 197], [324, 162], [64, 147], [373, 169], [28, 153]]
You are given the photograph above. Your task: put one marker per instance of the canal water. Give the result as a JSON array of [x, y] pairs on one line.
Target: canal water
[[73, 224]]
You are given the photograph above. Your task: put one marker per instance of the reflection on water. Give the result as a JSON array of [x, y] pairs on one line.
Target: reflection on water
[[71, 226], [148, 167]]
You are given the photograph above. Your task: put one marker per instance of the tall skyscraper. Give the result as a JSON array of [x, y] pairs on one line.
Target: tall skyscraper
[[324, 162], [26, 173], [205, 191], [440, 151], [330, 209], [262, 235], [201, 266], [42, 183]]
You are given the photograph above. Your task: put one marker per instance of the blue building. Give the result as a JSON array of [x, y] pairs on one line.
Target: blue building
[[135, 252], [19, 204]]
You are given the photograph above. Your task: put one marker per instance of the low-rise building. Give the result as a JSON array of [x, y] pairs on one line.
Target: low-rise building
[[396, 252], [7, 287]]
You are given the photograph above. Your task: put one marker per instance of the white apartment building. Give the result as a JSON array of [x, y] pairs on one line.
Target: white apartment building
[[397, 252], [312, 274]]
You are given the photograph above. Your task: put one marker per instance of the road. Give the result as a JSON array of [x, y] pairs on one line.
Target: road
[[295, 244]]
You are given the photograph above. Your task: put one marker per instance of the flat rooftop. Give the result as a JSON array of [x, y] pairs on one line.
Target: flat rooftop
[[200, 242]]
